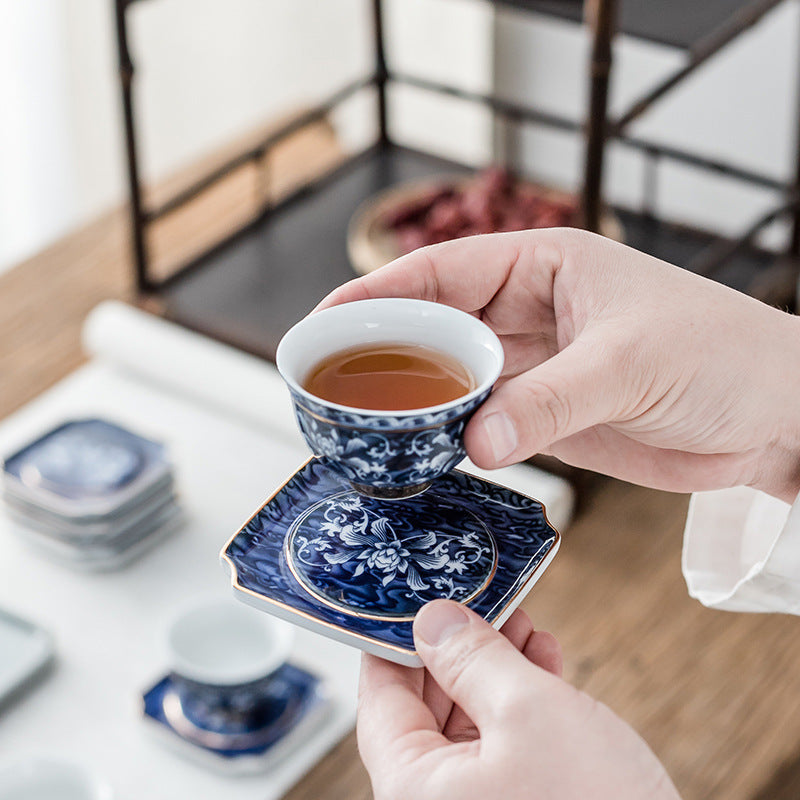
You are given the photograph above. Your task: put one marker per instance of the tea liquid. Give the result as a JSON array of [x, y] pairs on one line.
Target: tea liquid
[[389, 377]]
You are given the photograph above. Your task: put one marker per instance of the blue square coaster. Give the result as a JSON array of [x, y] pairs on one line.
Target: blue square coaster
[[86, 468], [358, 569], [296, 701]]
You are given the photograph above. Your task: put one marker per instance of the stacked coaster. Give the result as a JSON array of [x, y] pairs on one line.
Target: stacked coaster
[[91, 493]]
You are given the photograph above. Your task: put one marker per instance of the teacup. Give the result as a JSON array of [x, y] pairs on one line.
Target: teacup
[[388, 454], [222, 656]]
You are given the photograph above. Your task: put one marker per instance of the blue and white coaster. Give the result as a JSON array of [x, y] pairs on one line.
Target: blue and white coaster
[[91, 494], [291, 704], [87, 468], [358, 569]]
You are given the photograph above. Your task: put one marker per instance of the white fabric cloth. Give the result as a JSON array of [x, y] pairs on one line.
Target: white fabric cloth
[[741, 551]]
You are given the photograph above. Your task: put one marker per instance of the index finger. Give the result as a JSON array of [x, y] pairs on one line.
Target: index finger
[[463, 273], [390, 709], [539, 647]]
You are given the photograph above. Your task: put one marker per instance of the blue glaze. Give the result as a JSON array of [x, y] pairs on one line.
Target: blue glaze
[[266, 710], [237, 709], [390, 558], [384, 451], [87, 458], [472, 522]]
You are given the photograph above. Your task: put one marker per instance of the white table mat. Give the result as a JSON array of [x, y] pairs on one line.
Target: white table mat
[[226, 419], [108, 626]]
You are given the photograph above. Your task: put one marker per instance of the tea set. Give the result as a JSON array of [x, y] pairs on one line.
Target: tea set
[[232, 697], [90, 493], [378, 522]]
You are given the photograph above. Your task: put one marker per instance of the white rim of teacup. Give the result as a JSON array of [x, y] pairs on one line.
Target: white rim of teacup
[[474, 332], [45, 773], [257, 643]]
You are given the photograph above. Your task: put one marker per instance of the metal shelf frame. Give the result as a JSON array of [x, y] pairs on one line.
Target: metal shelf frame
[[598, 130]]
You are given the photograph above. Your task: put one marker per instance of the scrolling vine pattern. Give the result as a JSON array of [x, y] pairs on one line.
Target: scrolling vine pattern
[[353, 554]]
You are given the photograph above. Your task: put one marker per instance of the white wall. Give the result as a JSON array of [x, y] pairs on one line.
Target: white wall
[[740, 107], [36, 169], [207, 70], [452, 42]]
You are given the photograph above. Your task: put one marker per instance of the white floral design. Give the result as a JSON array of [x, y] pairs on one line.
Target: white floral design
[[367, 545], [386, 458]]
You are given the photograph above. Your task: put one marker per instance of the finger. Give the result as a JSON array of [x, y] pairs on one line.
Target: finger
[[611, 452], [543, 649], [458, 725], [464, 273], [523, 351], [517, 629], [474, 664], [576, 389], [390, 711], [437, 701], [539, 647]]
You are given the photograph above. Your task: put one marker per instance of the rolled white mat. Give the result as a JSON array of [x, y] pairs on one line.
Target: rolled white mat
[[191, 365], [246, 387]]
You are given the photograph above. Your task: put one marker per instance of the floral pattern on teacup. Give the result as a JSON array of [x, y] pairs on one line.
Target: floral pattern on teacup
[[385, 451], [386, 459]]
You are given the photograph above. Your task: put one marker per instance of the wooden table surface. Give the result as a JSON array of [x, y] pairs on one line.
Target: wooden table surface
[[715, 694]]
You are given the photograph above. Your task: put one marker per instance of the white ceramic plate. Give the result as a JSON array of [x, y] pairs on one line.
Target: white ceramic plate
[[25, 653]]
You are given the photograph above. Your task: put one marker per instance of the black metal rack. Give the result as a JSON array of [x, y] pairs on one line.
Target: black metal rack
[[251, 287], [674, 23]]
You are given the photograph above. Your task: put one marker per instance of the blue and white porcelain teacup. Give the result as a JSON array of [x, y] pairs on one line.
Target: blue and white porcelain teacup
[[388, 454], [222, 656]]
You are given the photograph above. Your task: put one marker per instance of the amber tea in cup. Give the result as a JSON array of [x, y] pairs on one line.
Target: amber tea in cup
[[389, 377]]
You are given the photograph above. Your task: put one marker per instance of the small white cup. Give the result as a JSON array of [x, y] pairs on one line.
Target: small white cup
[[221, 643]]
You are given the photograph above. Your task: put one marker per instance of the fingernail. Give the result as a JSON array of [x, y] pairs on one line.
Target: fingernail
[[437, 622], [501, 433]]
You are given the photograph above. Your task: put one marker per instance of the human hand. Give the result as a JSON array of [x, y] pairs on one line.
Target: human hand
[[616, 361], [490, 717]]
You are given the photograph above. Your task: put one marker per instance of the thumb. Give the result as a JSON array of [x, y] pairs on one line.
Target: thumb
[[576, 389], [475, 665]]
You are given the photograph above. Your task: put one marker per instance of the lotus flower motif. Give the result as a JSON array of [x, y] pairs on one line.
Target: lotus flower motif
[[368, 548]]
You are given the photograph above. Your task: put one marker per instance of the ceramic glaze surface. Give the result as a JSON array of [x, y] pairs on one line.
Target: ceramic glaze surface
[[247, 723], [389, 559], [359, 568], [232, 709], [83, 458], [386, 451]]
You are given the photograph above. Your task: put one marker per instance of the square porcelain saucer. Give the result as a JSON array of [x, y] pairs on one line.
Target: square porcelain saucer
[[358, 569], [108, 531], [296, 704], [100, 554], [86, 469]]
